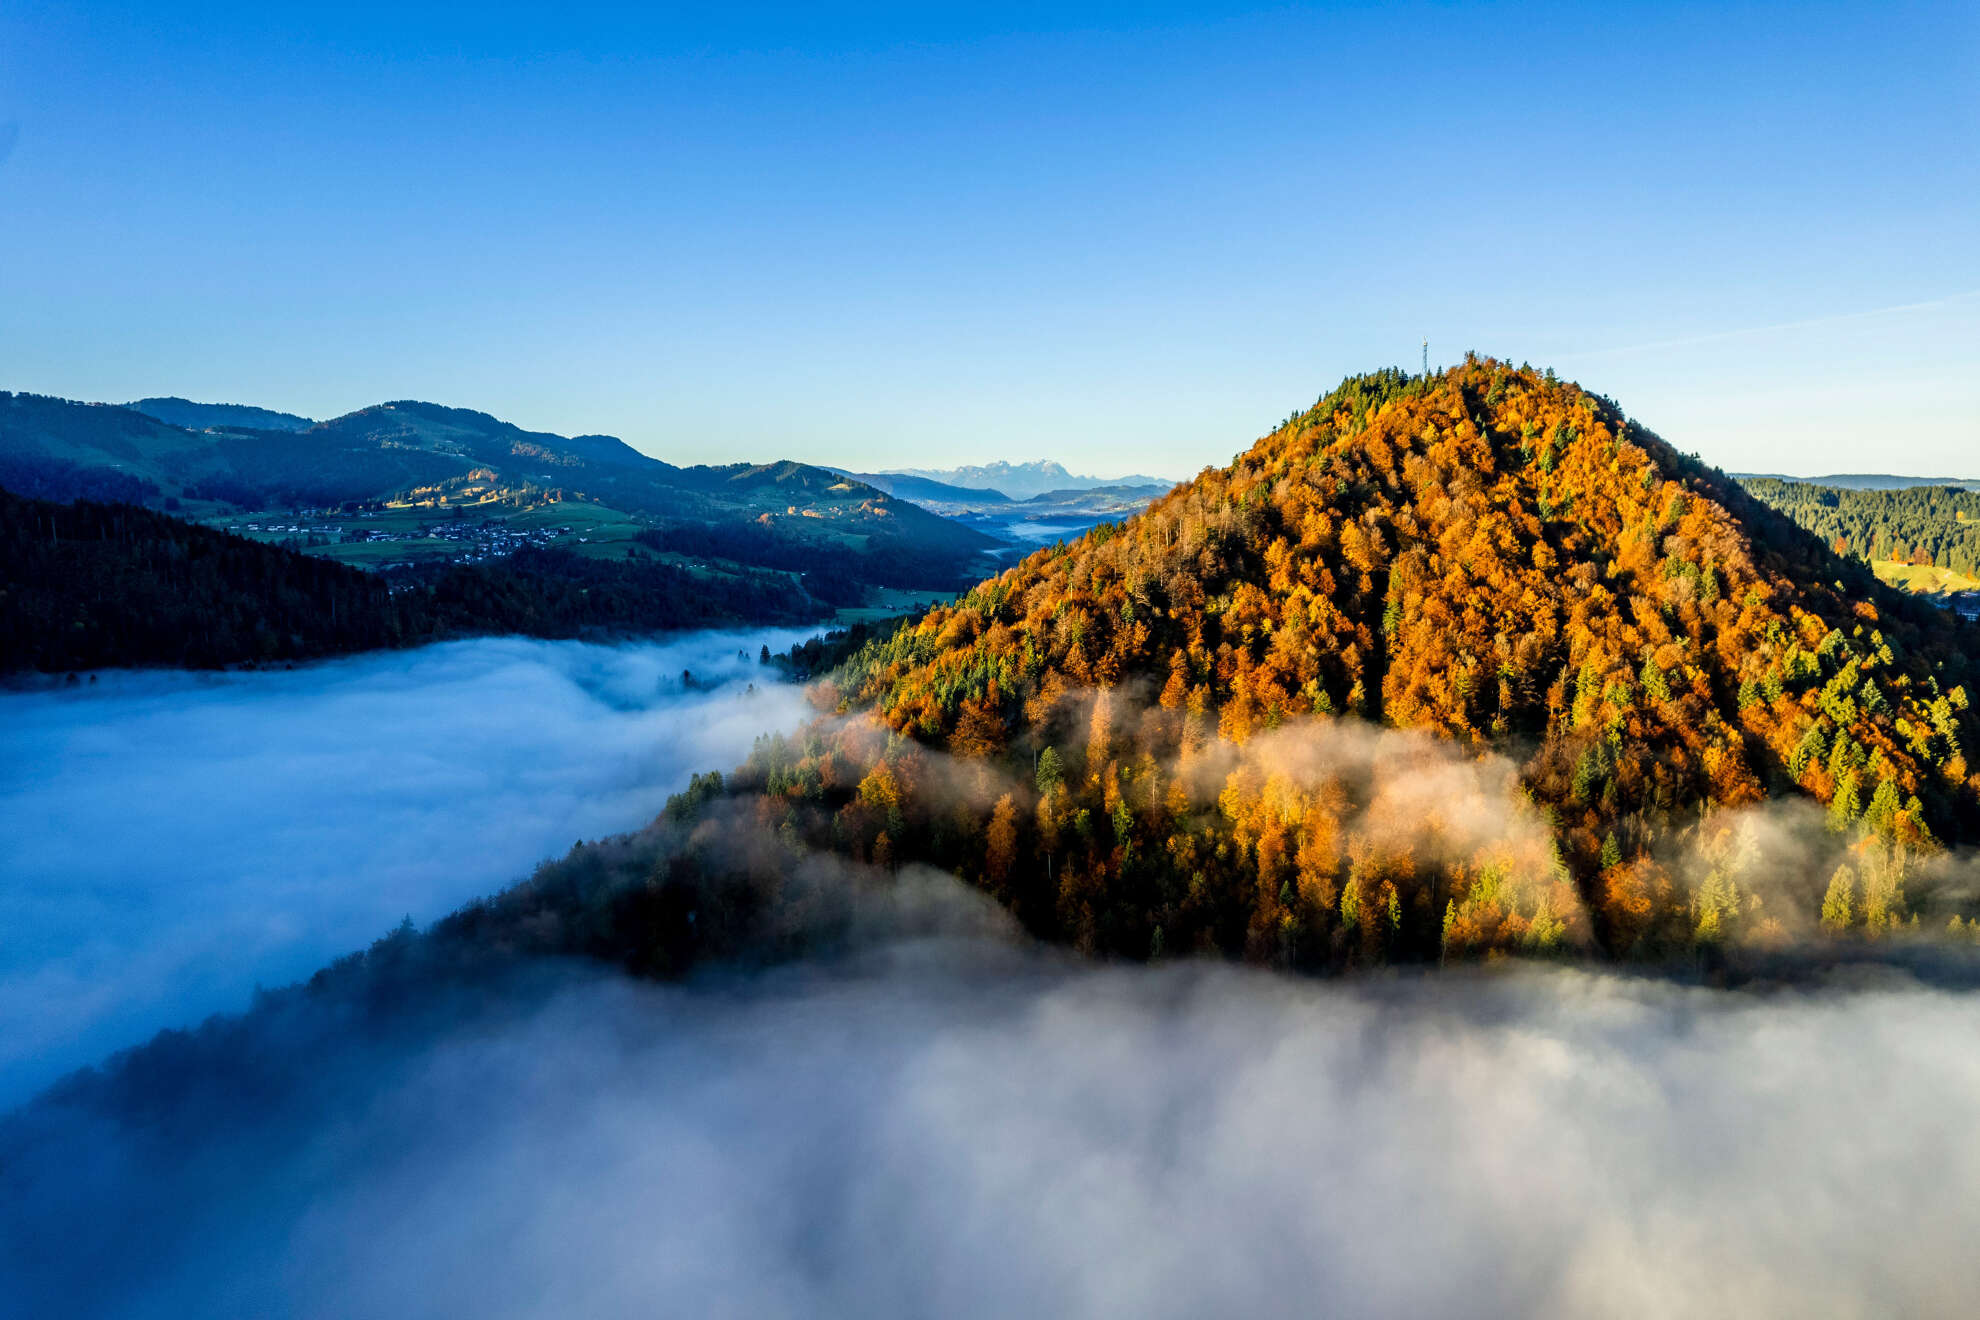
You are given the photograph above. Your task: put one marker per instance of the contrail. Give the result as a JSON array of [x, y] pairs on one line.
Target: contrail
[[1718, 335]]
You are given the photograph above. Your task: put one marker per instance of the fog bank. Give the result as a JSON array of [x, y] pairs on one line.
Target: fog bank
[[966, 1126], [172, 839]]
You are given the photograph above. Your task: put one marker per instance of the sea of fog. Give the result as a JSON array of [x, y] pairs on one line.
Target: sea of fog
[[173, 839], [937, 1118], [955, 1124]]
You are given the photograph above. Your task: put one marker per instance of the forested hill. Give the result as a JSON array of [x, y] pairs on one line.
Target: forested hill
[[1494, 555], [222, 416], [86, 585]]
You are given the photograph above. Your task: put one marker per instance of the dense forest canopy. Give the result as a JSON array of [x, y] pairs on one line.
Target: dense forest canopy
[[1440, 666], [1922, 525]]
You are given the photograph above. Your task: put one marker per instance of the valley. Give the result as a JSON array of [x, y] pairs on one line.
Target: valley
[[502, 529], [849, 662]]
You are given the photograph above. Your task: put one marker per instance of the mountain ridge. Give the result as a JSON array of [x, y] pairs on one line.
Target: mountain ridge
[[176, 411], [1442, 667], [410, 449]]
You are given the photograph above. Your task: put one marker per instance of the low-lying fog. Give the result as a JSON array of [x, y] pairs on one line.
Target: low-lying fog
[[172, 839], [962, 1126], [941, 1119], [1042, 532]]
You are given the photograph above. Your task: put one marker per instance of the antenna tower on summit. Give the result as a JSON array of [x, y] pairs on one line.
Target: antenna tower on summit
[[1426, 359]]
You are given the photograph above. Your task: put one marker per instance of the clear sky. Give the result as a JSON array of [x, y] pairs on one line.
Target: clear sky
[[1129, 237]]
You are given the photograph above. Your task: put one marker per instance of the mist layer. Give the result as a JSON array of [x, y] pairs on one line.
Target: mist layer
[[961, 1126], [173, 839]]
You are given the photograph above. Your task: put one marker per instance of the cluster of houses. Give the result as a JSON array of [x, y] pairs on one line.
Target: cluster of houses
[[276, 529], [1966, 604], [480, 540], [483, 540]]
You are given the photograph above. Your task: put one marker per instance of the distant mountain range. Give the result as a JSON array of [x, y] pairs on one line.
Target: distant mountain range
[[1021, 481], [949, 498], [787, 515], [1022, 517], [927, 491]]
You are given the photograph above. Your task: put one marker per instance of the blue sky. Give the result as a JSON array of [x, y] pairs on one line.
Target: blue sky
[[1128, 237]]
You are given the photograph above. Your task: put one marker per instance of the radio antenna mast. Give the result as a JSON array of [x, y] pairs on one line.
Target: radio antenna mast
[[1426, 359]]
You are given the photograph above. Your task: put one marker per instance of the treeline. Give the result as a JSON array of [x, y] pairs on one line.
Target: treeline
[[1923, 525], [91, 585]]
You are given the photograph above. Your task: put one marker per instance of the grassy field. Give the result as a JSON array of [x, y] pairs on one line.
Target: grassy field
[[597, 525], [1923, 580]]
